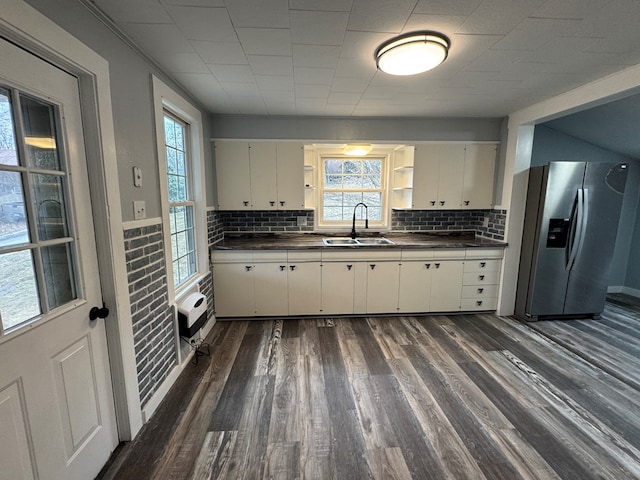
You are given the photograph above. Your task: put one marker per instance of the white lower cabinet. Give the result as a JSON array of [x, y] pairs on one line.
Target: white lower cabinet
[[343, 282], [270, 283], [338, 283], [415, 281], [383, 282], [233, 289], [304, 277]]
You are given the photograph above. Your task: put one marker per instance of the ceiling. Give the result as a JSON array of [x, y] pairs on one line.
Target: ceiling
[[613, 126], [315, 57]]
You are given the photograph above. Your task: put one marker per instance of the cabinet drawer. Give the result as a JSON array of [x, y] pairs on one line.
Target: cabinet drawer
[[471, 304], [235, 256], [480, 278], [481, 265], [484, 253], [479, 292]]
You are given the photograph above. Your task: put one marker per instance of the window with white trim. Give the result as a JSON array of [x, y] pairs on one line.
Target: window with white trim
[[181, 202], [347, 181], [182, 189]]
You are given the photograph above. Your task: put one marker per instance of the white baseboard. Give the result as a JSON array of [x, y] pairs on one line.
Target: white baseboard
[[634, 292]]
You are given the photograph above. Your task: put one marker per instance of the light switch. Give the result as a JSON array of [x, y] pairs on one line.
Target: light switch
[[137, 177], [139, 210]]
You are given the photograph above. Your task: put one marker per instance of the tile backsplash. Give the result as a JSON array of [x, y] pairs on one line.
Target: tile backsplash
[[486, 223]]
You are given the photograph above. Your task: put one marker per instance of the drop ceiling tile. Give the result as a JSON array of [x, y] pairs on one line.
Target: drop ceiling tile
[[362, 44], [380, 15], [159, 39], [313, 76], [274, 83], [532, 33], [227, 53], [194, 3], [578, 9], [343, 98], [313, 91], [232, 73], [495, 60], [324, 5], [265, 41], [499, 16], [356, 68], [348, 85], [184, 63], [271, 64], [447, 7], [140, 11], [237, 89], [318, 56], [263, 13], [446, 24], [203, 23], [468, 47], [310, 103], [318, 28]]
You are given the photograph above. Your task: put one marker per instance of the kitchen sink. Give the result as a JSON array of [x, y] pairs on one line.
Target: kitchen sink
[[374, 241], [356, 242]]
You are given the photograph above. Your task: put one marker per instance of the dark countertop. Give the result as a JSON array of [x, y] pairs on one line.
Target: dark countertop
[[292, 241]]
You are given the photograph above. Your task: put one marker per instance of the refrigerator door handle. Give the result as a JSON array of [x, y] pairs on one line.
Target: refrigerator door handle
[[577, 229], [585, 219]]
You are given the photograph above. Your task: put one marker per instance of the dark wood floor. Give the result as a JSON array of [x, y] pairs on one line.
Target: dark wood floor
[[460, 397]]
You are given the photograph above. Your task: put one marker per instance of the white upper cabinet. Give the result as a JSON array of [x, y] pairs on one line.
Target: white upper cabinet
[[260, 175], [451, 176], [232, 172], [479, 171], [262, 162], [290, 173]]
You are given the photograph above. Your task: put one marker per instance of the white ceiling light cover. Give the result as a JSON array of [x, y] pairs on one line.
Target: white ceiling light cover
[[412, 53]]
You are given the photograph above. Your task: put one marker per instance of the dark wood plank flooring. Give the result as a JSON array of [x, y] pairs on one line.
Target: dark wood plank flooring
[[459, 396]]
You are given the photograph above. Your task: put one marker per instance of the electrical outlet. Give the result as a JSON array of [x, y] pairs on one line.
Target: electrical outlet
[[485, 222], [139, 210], [301, 221]]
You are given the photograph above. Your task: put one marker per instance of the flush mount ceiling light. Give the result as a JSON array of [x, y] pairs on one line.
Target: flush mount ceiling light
[[412, 53], [357, 149]]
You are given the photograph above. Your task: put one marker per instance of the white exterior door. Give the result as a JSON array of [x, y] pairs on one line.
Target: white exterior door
[[57, 418]]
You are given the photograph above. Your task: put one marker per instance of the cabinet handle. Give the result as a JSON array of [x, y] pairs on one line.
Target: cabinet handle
[[349, 267], [282, 202], [248, 268], [480, 290], [292, 267], [442, 203], [480, 277], [466, 202], [437, 265], [432, 202], [272, 203], [483, 264], [282, 267], [245, 203], [373, 265], [428, 265], [479, 303]]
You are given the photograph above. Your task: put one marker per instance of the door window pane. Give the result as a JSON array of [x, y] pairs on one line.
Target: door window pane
[[38, 120], [19, 299], [58, 275], [8, 153], [13, 217], [37, 257], [48, 197]]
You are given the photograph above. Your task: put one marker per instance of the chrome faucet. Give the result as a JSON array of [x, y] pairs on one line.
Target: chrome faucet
[[366, 220]]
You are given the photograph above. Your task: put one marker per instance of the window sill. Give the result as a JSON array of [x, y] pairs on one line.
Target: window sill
[[186, 289]]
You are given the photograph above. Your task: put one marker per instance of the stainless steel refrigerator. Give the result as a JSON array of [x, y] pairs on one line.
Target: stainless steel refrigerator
[[570, 228]]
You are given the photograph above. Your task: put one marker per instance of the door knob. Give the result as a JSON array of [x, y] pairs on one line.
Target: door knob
[[97, 312]]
